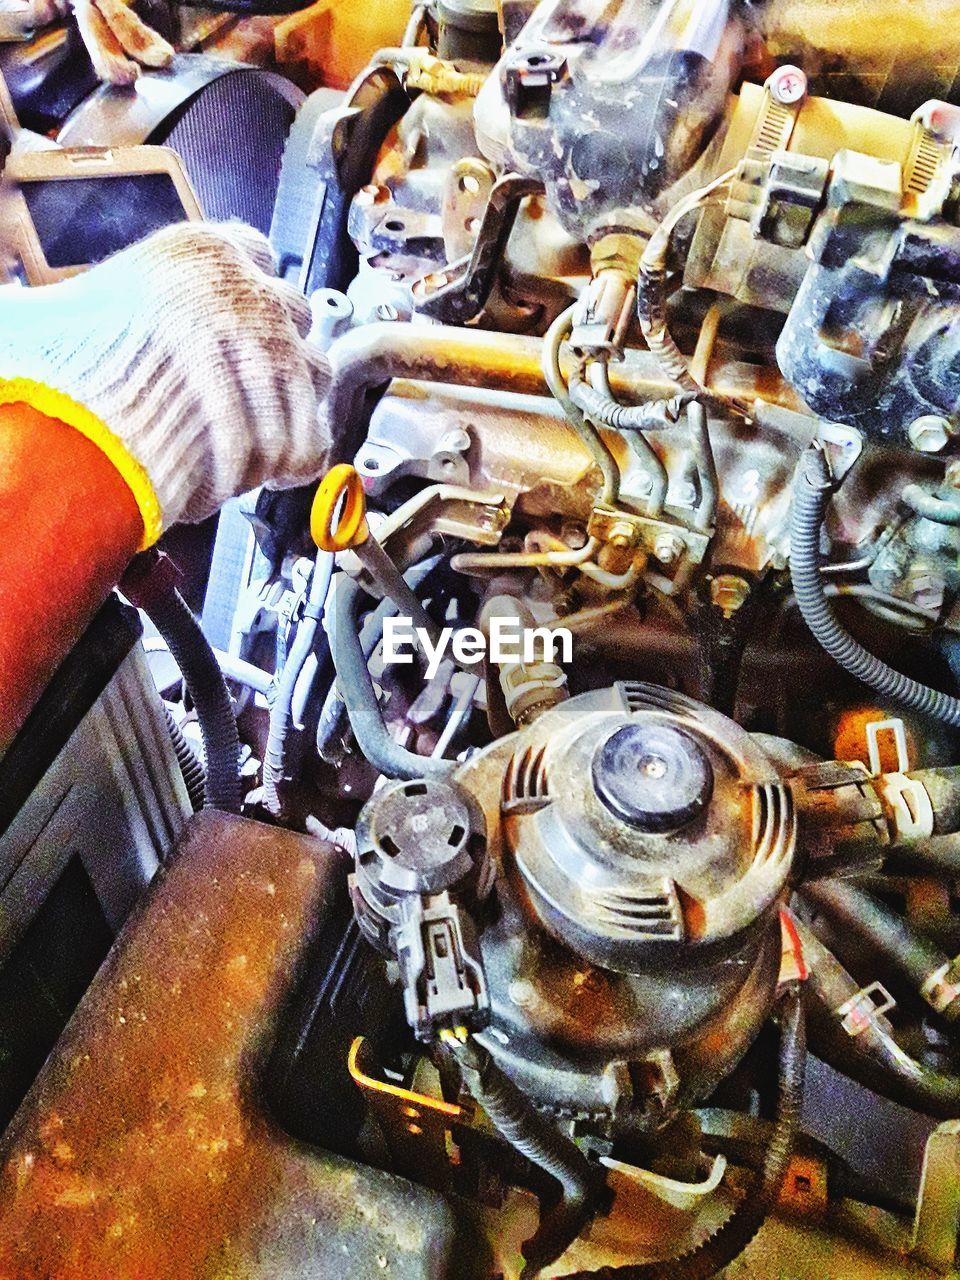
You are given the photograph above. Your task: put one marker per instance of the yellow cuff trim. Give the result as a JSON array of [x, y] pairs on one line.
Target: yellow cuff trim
[[55, 404]]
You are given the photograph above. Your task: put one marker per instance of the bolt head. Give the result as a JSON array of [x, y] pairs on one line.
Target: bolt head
[[930, 433], [728, 592], [621, 534], [927, 589]]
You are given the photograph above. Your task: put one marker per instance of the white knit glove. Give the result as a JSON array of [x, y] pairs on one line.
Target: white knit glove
[[192, 353], [118, 42]]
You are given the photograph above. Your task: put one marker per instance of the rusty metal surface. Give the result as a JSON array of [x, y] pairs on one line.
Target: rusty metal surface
[[141, 1152]]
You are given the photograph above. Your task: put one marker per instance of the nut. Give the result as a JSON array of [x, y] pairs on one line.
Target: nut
[[622, 534], [930, 433], [668, 547]]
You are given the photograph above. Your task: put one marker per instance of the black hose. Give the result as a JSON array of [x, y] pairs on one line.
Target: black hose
[[931, 507], [872, 1056], [811, 492], [733, 1236], [363, 708], [864, 919], [534, 1137], [150, 584], [191, 766]]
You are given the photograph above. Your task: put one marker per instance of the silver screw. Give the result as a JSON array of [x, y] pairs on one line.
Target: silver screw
[[787, 85], [522, 992]]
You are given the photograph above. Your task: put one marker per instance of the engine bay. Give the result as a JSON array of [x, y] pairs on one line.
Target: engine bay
[[534, 849]]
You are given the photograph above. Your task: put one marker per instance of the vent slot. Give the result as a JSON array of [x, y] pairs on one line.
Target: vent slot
[[774, 824], [525, 784], [637, 696], [655, 915]]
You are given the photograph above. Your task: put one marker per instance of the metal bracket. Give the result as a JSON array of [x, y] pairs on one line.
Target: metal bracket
[[470, 281], [647, 530]]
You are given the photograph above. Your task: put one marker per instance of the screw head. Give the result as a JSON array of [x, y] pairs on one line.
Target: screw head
[[930, 433], [787, 85]]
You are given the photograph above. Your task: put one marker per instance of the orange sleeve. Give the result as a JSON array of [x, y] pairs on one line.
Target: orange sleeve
[[69, 525]]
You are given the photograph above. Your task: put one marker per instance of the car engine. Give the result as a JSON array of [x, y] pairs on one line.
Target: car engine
[[589, 901]]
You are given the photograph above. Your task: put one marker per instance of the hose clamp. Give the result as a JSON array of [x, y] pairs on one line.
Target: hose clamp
[[942, 989]]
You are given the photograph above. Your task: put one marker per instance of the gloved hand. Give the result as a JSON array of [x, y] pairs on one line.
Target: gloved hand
[[118, 42], [192, 353]]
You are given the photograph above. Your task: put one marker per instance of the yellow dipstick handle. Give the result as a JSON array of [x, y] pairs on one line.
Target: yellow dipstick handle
[[348, 530]]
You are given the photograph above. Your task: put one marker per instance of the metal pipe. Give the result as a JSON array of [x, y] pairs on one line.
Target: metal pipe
[[702, 451], [371, 355], [556, 335]]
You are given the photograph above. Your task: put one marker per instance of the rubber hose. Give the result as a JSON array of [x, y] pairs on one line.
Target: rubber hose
[[937, 856], [518, 1121], [930, 507], [872, 1057], [281, 710], [191, 766], [363, 708], [333, 714], [865, 919], [170, 614], [811, 492], [732, 1237]]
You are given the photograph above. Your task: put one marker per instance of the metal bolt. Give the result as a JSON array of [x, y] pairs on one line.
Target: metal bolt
[[926, 588], [728, 592], [930, 433], [787, 85], [386, 311], [456, 440], [522, 992], [621, 534], [668, 547]]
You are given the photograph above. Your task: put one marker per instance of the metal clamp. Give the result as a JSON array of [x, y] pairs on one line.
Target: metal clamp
[[859, 1012]]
